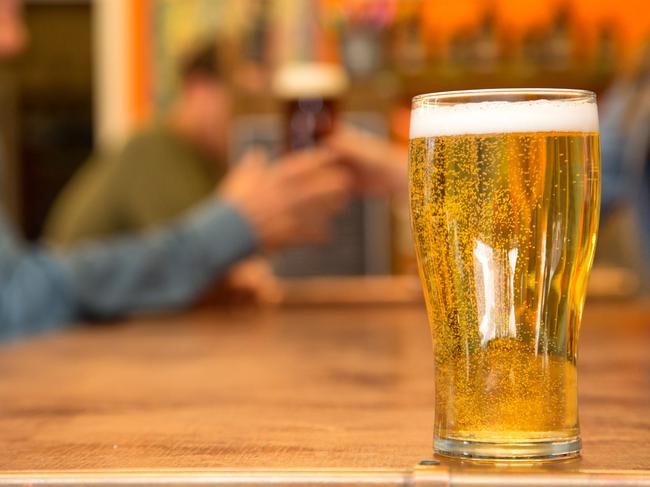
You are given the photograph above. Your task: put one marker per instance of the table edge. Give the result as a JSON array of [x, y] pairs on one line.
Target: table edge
[[433, 476]]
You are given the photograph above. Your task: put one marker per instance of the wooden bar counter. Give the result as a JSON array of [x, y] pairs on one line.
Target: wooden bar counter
[[297, 395]]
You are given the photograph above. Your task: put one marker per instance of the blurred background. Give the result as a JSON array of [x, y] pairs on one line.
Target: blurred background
[[97, 71]]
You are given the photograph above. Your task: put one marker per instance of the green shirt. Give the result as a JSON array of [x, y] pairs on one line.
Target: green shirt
[[154, 179]]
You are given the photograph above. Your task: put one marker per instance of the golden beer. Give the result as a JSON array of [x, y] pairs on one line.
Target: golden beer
[[505, 202]]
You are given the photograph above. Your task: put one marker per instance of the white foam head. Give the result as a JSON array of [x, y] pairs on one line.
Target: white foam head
[[309, 80], [492, 117]]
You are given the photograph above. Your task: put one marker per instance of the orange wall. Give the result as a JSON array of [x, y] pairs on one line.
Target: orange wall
[[630, 17], [138, 54]]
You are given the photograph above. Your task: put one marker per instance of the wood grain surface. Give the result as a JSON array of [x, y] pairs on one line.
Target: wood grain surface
[[323, 390]]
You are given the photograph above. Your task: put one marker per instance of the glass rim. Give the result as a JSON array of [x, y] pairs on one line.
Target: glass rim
[[557, 94]]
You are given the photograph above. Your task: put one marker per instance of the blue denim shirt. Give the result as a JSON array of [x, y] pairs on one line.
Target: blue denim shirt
[[41, 289], [626, 153], [615, 181]]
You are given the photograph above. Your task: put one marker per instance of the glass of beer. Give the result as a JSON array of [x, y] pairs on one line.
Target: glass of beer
[[505, 190]]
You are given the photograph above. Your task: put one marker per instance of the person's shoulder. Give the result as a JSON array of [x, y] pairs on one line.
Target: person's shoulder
[[148, 146], [146, 138]]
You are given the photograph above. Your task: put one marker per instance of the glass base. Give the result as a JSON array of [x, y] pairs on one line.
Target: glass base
[[531, 451]]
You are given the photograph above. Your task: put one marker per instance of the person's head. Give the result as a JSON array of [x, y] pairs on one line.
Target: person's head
[[202, 109], [13, 34]]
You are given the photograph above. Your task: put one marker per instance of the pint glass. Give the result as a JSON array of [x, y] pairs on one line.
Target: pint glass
[[504, 190]]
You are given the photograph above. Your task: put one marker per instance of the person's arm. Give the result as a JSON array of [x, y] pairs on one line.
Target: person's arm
[[380, 166], [161, 269], [269, 207], [34, 293], [41, 290]]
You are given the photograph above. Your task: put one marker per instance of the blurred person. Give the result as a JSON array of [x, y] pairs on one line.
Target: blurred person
[[625, 142], [161, 171], [258, 206], [625, 145]]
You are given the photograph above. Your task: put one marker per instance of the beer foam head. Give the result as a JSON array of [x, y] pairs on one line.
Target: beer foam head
[[491, 117], [309, 80]]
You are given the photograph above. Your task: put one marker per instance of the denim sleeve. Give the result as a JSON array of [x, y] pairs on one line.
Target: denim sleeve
[[34, 293], [160, 270], [167, 268]]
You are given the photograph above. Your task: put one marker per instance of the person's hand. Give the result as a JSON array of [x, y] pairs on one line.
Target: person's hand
[[251, 282], [380, 167], [291, 201]]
